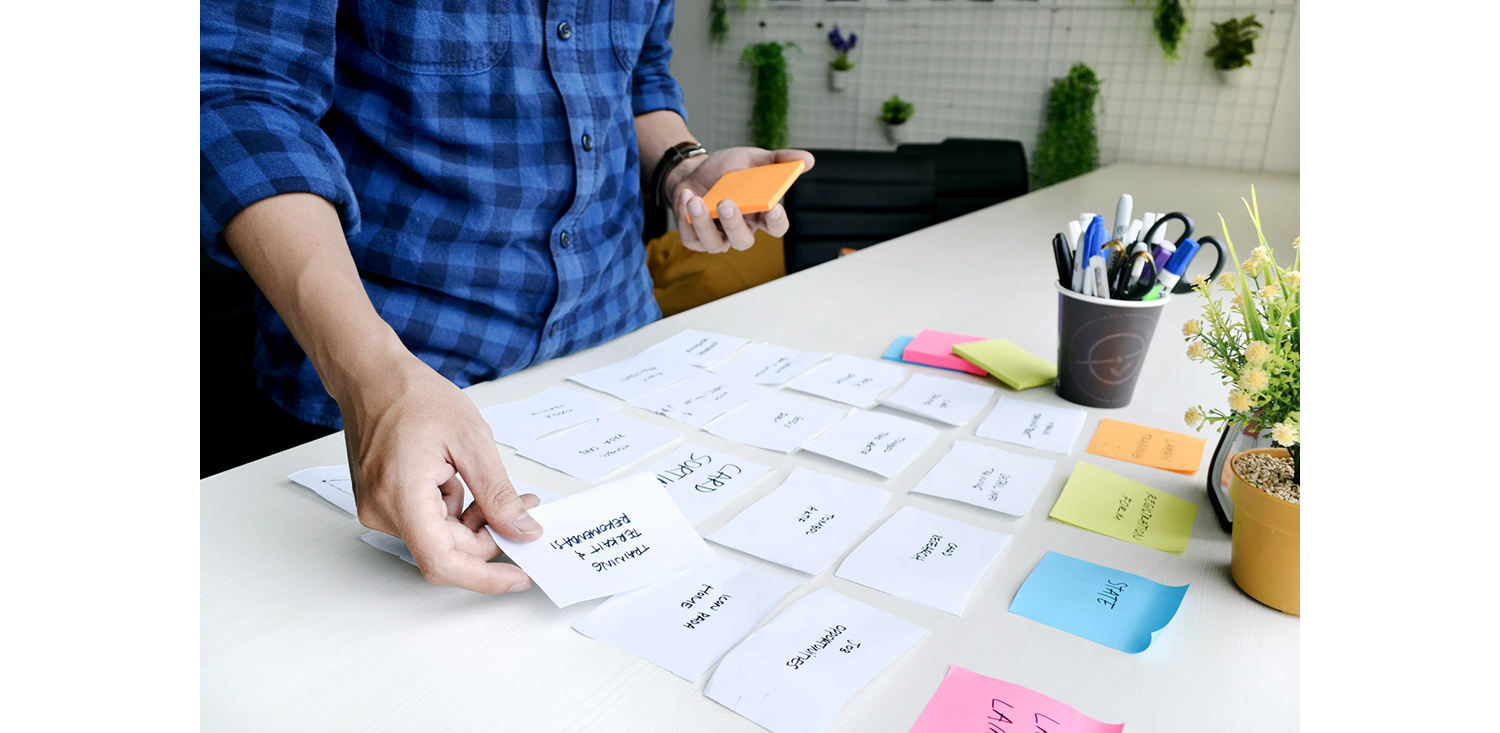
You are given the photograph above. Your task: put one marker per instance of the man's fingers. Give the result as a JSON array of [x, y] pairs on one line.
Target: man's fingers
[[774, 221], [473, 517], [787, 156], [684, 229], [703, 227], [443, 563], [453, 495], [736, 229], [478, 461]]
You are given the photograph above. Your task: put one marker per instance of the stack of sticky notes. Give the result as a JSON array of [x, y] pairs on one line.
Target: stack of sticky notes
[[1147, 446], [1016, 367], [935, 348]]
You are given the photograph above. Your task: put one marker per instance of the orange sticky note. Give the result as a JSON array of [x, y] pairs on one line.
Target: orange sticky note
[[1152, 447], [753, 190]]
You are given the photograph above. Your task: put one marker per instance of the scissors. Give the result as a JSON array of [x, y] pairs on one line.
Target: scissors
[[1161, 254], [1124, 285]]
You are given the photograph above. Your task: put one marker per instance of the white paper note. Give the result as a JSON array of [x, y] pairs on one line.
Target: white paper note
[[700, 399], [685, 623], [988, 477], [552, 409], [806, 523], [798, 671], [769, 364], [701, 479], [944, 400], [594, 449], [697, 348], [1034, 425], [635, 376], [776, 422], [850, 380], [883, 444], [610, 539], [396, 546], [924, 558], [330, 482]]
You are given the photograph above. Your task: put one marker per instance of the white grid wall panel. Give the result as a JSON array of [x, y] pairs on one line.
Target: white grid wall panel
[[983, 69]]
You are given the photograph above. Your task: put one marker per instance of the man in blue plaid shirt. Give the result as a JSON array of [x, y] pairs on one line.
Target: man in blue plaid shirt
[[433, 193]]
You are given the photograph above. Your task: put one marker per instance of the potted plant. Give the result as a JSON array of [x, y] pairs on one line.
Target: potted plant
[[1168, 23], [769, 77], [840, 66], [1255, 346], [1234, 44], [894, 113], [1069, 144]]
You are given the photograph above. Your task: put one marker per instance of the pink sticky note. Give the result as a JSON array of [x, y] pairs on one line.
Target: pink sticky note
[[935, 348], [970, 701]]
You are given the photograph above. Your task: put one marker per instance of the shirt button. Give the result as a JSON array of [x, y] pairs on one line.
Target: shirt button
[[553, 331], [564, 31], [588, 143], [566, 239]]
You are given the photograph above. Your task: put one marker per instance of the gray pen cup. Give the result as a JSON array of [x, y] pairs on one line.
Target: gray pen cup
[[1101, 346]]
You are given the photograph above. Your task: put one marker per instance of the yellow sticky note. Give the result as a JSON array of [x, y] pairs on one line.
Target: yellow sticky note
[[1152, 447], [753, 190], [1110, 504], [1011, 364]]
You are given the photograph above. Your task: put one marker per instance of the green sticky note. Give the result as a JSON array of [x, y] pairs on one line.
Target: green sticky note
[[1110, 504], [1011, 364]]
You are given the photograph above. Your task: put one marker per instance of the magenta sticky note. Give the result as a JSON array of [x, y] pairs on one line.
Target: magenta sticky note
[[935, 348], [970, 701]]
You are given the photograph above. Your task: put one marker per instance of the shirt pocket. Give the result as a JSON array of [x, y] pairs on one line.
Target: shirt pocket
[[436, 36], [629, 22]]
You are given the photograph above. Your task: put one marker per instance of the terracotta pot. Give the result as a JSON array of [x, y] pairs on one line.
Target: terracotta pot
[[1267, 556]]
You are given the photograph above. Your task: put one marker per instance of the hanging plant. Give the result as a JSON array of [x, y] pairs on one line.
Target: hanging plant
[[770, 81], [718, 20], [1236, 42], [1069, 144], [1169, 22]]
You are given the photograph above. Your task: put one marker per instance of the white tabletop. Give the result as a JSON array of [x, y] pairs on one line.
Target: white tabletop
[[304, 627]]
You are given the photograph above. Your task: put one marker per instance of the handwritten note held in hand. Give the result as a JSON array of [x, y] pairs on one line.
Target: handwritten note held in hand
[[1152, 447], [1105, 502], [610, 539], [968, 701], [1112, 607]]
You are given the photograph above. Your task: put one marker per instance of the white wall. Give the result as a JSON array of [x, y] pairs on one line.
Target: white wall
[[982, 69]]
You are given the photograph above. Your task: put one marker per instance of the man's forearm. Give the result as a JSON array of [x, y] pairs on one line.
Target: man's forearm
[[657, 131], [293, 247]]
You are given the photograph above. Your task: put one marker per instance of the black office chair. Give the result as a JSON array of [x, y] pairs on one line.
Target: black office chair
[[856, 198], [973, 173]]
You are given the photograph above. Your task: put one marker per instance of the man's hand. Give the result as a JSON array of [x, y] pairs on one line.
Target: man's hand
[[693, 177], [410, 435]]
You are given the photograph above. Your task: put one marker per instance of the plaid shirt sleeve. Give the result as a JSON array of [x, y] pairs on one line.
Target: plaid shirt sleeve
[[652, 87], [266, 78]]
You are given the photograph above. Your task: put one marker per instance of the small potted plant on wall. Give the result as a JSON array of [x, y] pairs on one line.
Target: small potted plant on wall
[[840, 66], [894, 113], [1235, 44], [1255, 345]]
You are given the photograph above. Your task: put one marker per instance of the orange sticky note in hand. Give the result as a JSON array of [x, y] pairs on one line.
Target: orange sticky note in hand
[[1152, 447], [753, 190]]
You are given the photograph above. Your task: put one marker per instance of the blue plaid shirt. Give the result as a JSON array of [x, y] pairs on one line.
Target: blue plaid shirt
[[482, 158]]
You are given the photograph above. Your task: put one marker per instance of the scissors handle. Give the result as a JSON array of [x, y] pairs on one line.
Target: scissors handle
[[1122, 288], [1187, 224], [1184, 285]]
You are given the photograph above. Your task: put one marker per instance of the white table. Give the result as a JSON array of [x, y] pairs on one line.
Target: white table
[[304, 627]]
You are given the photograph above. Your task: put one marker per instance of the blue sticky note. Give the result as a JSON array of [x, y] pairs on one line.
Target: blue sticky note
[[894, 353], [1101, 604]]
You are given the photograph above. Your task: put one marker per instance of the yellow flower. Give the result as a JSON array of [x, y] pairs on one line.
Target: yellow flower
[[1196, 352], [1226, 281], [1285, 434], [1297, 243], [1268, 292], [1191, 328], [1194, 417], [1239, 401], [1256, 352], [1262, 255], [1254, 379], [1294, 280], [1251, 267], [1200, 283]]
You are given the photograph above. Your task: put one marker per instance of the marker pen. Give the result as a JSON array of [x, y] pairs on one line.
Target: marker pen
[[1167, 278]]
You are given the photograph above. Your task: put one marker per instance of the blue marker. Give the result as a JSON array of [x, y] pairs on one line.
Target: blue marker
[[1170, 274]]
